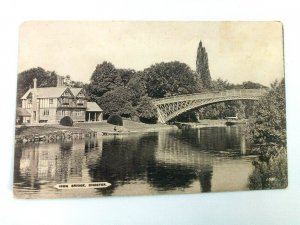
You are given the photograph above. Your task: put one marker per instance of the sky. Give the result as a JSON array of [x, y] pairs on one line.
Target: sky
[[237, 51]]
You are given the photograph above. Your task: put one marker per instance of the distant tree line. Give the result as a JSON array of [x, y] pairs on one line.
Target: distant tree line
[[128, 93]]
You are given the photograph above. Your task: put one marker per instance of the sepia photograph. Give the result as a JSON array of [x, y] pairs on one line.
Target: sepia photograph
[[149, 108]]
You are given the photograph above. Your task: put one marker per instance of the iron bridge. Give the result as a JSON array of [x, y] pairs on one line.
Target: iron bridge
[[170, 107]]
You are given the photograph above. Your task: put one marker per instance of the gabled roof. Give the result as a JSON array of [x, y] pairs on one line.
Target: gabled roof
[[93, 107], [75, 91], [52, 92]]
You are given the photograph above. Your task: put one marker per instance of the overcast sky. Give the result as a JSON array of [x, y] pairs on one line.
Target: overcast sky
[[237, 52]]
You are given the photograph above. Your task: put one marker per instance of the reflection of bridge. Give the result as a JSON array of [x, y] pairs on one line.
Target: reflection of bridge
[[172, 150], [170, 107]]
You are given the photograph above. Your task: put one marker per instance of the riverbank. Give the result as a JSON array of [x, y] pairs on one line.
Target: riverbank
[[209, 123], [52, 132], [201, 124]]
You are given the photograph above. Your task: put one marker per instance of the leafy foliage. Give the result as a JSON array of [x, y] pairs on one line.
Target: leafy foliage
[[272, 174], [146, 110], [138, 87], [202, 67], [220, 85], [115, 120], [66, 121], [172, 78], [116, 101], [251, 85], [105, 78], [268, 126], [267, 131]]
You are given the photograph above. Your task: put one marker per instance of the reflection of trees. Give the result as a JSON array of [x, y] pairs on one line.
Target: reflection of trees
[[169, 177], [213, 139], [123, 159], [205, 176]]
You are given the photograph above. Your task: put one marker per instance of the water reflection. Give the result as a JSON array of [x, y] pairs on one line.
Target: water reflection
[[178, 161]]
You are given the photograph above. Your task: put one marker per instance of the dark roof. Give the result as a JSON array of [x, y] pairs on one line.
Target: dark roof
[[22, 112], [93, 107], [52, 92]]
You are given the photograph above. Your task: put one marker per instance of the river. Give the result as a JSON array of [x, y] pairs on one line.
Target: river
[[165, 162]]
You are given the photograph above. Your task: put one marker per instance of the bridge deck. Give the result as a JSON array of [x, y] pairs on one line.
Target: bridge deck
[[213, 94]]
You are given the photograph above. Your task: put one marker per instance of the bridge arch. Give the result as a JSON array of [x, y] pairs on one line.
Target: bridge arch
[[170, 107]]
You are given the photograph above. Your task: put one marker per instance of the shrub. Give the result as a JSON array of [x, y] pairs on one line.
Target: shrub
[[66, 121], [115, 120]]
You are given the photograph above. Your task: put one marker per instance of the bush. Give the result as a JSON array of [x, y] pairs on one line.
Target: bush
[[115, 120], [66, 121]]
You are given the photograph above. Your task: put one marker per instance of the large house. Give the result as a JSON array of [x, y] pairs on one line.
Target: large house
[[51, 104]]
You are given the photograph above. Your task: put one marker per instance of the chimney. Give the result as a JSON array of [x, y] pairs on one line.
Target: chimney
[[34, 83], [60, 81]]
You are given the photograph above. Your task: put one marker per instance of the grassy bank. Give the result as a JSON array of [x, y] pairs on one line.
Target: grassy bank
[[128, 127]]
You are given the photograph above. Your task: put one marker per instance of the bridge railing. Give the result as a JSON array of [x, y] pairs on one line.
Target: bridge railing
[[213, 94]]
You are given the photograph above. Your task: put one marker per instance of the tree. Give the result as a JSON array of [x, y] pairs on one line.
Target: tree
[[268, 125], [267, 130], [172, 78], [202, 67], [105, 78], [138, 87], [116, 101], [220, 85], [125, 75], [146, 110], [252, 85]]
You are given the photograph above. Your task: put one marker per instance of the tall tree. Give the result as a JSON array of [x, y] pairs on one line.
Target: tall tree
[[202, 67]]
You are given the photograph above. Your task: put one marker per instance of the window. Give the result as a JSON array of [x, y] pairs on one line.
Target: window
[[80, 102], [50, 101], [46, 112], [78, 113], [65, 101]]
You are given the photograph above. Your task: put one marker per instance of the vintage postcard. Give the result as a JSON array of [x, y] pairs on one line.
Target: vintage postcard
[[146, 108]]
